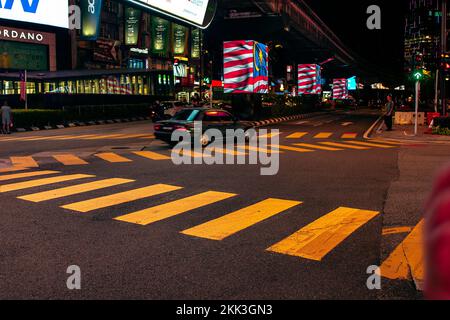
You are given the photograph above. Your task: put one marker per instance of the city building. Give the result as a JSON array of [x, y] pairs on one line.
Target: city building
[[135, 53]]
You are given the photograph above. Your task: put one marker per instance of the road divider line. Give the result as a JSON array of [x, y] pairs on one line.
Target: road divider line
[[12, 169], [119, 198], [407, 258], [42, 182], [112, 157], [239, 220], [211, 150], [73, 190], [345, 146], [313, 146], [370, 144], [69, 159], [27, 162], [387, 142], [323, 135], [131, 136], [260, 150], [297, 135], [75, 137], [151, 155], [320, 237], [301, 150], [170, 209], [26, 175], [102, 137]]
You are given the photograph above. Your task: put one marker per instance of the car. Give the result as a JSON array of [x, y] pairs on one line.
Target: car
[[210, 119], [172, 107]]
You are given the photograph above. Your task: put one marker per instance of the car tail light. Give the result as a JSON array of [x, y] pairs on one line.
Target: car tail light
[[179, 127], [157, 127]]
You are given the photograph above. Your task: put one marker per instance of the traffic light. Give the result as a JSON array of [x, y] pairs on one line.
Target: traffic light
[[421, 74]]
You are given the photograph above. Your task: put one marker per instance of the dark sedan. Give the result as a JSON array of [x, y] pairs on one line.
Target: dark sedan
[[210, 119]]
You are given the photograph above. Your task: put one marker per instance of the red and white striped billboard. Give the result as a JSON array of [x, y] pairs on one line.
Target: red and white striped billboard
[[309, 79], [340, 90]]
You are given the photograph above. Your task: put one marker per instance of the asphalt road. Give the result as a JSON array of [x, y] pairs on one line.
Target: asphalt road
[[120, 258]]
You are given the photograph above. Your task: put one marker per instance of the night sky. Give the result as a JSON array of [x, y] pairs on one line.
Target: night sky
[[347, 18]]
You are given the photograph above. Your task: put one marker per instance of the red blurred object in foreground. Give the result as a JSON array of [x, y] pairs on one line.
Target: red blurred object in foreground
[[437, 243]]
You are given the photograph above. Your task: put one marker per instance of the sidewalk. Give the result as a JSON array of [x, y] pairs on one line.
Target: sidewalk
[[406, 133]]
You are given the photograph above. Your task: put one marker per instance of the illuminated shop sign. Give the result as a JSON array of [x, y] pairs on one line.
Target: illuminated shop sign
[[90, 19]]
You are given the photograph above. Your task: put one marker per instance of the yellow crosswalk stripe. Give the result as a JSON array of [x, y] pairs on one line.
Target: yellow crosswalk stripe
[[26, 175], [69, 159], [42, 182], [317, 239], [12, 169], [112, 157], [349, 136], [170, 209], [270, 135], [27, 162], [323, 135], [314, 146], [407, 257], [345, 146], [370, 144], [239, 220], [297, 135], [301, 150], [262, 150], [152, 155], [73, 190], [119, 198]]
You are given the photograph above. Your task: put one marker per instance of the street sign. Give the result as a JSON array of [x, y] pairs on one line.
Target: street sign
[[198, 13]]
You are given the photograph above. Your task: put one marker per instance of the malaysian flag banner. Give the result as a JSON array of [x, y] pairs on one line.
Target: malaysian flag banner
[[114, 86], [246, 67], [23, 85], [309, 79], [340, 90]]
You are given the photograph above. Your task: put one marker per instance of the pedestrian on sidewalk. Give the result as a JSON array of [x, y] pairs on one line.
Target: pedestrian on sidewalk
[[389, 111], [6, 113]]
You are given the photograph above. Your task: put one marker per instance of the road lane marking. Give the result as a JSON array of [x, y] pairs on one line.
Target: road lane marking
[[12, 169], [396, 230], [69, 159], [239, 220], [320, 237], [211, 150], [102, 137], [152, 155], [270, 135], [131, 136], [43, 138], [170, 209], [313, 146], [406, 258], [75, 137], [301, 150], [349, 136], [323, 135], [261, 150], [26, 175], [73, 190], [119, 198], [387, 142], [370, 144], [16, 138], [297, 135], [346, 124], [42, 182], [27, 162], [345, 146], [112, 157]]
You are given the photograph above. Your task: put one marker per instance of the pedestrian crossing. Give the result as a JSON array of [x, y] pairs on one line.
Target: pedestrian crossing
[[68, 159], [313, 241]]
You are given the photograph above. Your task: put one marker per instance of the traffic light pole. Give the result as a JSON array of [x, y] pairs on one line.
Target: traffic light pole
[[443, 52], [416, 121]]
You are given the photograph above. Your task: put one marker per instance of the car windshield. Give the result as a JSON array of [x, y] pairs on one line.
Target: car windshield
[[186, 115]]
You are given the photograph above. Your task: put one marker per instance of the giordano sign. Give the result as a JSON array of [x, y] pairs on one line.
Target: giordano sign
[[199, 13]]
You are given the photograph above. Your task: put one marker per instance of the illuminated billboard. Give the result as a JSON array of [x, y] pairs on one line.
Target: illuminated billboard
[[48, 12], [196, 12]]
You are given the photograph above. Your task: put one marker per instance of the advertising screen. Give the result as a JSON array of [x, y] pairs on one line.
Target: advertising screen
[[23, 56], [193, 11], [48, 12]]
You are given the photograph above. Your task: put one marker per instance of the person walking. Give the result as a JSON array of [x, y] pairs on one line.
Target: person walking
[[389, 111], [6, 113]]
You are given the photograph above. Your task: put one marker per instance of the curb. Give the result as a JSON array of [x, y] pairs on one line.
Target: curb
[[81, 124], [263, 123]]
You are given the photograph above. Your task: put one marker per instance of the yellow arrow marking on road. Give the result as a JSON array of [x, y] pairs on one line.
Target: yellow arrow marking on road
[[170, 209], [318, 238], [119, 198], [234, 222], [42, 182], [73, 190]]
